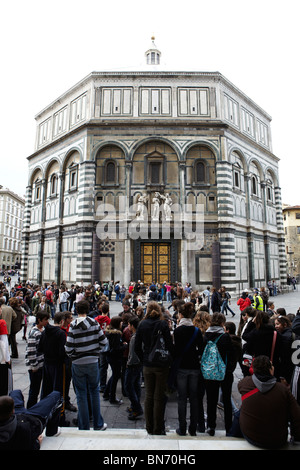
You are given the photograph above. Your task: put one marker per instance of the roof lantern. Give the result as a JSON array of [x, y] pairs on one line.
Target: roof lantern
[[153, 54]]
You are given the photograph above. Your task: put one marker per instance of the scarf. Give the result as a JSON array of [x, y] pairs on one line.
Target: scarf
[[185, 322]]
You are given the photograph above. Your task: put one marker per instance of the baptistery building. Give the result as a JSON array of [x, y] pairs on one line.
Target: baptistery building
[[154, 175]]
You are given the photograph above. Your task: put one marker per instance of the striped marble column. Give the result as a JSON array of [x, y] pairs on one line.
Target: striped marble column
[[281, 238], [25, 234], [84, 253], [226, 225], [85, 227]]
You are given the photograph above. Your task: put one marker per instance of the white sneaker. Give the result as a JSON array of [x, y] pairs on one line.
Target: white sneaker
[[102, 428], [58, 432]]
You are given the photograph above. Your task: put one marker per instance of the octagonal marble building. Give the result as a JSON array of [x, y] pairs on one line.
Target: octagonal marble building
[[119, 136]]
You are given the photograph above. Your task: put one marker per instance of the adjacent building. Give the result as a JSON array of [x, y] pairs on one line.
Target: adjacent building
[[119, 146], [291, 221], [11, 225]]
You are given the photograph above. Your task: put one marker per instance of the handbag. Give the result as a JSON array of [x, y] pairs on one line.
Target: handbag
[[159, 355], [272, 352], [175, 365]]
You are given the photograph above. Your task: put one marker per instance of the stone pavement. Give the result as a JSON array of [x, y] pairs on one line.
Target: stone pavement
[[122, 433]]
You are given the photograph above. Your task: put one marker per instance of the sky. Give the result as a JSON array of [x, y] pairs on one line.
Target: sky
[[49, 46]]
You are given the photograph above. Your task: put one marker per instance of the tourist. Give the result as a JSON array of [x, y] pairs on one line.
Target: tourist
[[133, 374], [84, 342], [259, 340], [155, 377], [244, 301], [284, 327], [215, 300], [225, 298], [268, 408], [34, 359], [114, 357], [5, 363], [224, 344], [16, 325], [188, 343]]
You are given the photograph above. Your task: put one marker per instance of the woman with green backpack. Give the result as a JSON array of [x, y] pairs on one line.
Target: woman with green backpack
[[217, 365]]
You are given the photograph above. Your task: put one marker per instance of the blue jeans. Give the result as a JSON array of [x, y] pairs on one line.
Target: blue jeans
[[115, 363], [187, 389], [133, 387], [64, 306], [225, 306], [47, 409], [86, 382]]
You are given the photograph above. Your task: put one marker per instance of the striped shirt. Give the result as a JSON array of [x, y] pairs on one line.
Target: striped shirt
[[33, 359], [85, 341]]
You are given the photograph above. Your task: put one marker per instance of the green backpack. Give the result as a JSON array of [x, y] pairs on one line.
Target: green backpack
[[212, 364]]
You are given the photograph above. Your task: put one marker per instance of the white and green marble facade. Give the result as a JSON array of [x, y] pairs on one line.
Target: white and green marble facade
[[134, 119]]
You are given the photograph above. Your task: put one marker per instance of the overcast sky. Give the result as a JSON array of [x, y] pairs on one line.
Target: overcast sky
[[48, 46]]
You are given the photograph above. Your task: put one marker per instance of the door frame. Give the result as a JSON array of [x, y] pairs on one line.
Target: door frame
[[174, 261]]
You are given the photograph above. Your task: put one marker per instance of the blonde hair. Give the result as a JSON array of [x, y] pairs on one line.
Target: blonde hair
[[202, 320]]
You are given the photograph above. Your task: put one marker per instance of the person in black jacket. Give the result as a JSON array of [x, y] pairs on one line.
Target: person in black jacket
[[259, 340], [186, 334], [114, 357], [20, 428], [155, 377], [226, 350], [52, 345], [215, 300]]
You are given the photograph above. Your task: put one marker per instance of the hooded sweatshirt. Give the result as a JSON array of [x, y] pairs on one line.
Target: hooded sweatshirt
[[264, 415], [85, 341], [52, 344], [20, 432]]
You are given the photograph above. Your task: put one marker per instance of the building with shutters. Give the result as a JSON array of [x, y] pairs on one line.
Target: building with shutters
[[119, 138], [11, 224]]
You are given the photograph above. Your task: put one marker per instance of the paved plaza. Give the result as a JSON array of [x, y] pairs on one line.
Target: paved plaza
[[124, 433]]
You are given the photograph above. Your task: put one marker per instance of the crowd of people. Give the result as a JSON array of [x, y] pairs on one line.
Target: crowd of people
[[169, 339]]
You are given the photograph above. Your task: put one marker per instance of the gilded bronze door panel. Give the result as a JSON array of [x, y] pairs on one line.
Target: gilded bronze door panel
[[155, 262]]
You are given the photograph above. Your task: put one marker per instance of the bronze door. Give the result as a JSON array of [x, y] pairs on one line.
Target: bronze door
[[155, 262]]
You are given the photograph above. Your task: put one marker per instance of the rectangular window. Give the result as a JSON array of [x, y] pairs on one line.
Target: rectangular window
[[193, 101], [236, 179], [44, 132], [116, 101], [78, 109], [155, 101], [231, 110], [297, 215], [248, 122], [73, 178], [155, 169], [60, 122], [262, 133], [298, 230]]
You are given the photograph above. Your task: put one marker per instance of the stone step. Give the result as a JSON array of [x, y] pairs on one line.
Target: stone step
[[139, 439]]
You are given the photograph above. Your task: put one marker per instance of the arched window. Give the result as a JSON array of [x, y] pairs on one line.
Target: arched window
[[254, 185], [53, 185]]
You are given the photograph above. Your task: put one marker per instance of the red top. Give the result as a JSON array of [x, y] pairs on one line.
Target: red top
[[3, 328], [103, 321]]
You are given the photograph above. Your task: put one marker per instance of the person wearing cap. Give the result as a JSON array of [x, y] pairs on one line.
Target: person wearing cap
[[257, 301]]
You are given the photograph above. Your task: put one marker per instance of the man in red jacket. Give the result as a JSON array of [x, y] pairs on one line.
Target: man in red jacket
[[268, 408]]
